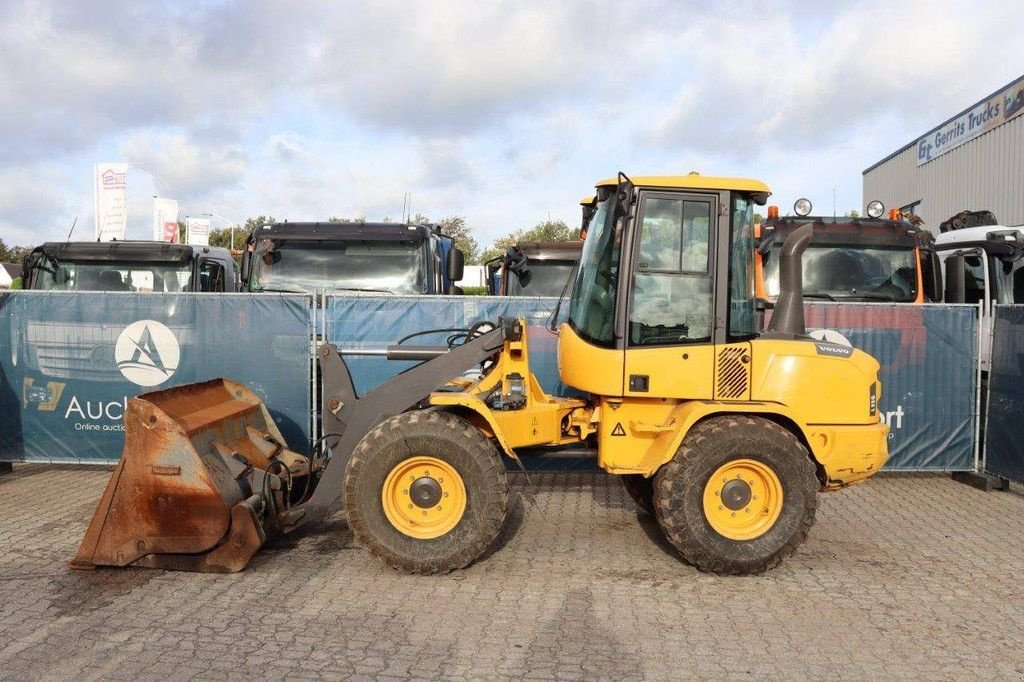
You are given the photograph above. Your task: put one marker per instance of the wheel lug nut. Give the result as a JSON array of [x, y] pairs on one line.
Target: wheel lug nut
[[410, 506], [405, 491], [446, 494], [734, 513]]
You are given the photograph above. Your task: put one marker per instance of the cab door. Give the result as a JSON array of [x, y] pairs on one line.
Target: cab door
[[671, 303]]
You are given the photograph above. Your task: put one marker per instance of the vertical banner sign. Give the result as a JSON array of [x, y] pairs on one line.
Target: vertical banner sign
[[110, 196], [165, 220], [197, 231]]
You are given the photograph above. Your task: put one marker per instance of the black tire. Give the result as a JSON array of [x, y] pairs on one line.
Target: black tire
[[444, 436], [641, 489], [679, 492]]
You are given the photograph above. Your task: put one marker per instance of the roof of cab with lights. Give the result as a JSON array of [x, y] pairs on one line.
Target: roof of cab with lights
[[692, 181]]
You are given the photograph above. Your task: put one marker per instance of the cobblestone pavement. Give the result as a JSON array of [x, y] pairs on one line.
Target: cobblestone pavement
[[904, 576]]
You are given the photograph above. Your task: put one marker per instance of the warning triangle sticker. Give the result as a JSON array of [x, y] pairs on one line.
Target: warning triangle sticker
[[618, 430]]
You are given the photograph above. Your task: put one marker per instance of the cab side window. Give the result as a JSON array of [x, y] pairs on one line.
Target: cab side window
[[974, 280], [211, 276], [672, 287]]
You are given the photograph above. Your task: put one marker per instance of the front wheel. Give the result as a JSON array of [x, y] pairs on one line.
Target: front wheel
[[738, 497], [426, 492]]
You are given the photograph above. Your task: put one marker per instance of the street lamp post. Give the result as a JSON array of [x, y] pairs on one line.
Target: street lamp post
[[231, 225]]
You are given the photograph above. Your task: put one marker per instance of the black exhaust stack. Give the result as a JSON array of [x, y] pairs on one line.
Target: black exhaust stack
[[788, 317]]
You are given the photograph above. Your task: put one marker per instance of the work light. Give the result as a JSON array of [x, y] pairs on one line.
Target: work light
[[876, 209], [802, 207]]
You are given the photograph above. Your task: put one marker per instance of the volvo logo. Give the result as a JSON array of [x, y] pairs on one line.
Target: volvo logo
[[147, 353]]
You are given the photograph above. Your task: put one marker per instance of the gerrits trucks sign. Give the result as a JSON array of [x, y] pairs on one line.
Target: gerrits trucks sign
[[991, 113]]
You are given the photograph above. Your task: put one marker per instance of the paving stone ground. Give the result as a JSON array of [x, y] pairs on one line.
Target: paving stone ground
[[903, 576]]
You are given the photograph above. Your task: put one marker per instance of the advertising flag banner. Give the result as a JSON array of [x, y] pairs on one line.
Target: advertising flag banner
[[165, 220], [197, 231], [110, 195]]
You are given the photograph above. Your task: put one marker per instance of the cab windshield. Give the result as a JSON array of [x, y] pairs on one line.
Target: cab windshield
[[547, 278], [51, 275], [592, 305], [350, 265], [851, 273]]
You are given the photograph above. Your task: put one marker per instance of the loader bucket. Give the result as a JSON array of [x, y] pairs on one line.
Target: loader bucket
[[192, 490]]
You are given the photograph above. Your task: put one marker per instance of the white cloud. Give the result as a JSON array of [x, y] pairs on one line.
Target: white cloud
[[184, 168], [501, 111]]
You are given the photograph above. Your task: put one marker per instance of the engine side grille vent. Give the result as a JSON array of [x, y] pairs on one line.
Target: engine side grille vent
[[731, 382]]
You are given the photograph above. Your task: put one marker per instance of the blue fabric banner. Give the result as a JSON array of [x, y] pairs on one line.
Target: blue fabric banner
[[929, 357], [1004, 447], [69, 362]]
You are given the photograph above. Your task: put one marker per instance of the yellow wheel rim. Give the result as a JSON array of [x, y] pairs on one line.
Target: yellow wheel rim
[[424, 497], [743, 499]]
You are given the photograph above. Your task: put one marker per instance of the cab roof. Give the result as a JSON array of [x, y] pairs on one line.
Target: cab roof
[[693, 180], [341, 231]]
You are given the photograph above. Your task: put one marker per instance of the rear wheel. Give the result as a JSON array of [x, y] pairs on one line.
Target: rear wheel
[[738, 497], [426, 492]]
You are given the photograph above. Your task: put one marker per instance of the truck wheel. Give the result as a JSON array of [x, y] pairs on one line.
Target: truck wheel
[[738, 497], [641, 489], [426, 492]]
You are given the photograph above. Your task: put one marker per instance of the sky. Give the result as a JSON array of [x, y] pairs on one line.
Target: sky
[[504, 112]]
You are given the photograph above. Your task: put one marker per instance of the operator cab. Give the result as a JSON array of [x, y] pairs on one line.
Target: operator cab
[[385, 258], [537, 268], [137, 266], [671, 235], [853, 259], [983, 260]]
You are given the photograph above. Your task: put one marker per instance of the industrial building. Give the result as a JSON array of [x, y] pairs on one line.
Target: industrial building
[[974, 160]]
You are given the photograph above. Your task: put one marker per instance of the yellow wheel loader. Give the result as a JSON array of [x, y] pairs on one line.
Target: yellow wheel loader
[[724, 434]]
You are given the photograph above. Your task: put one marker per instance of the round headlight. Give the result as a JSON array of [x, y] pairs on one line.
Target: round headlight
[[802, 207], [876, 209]]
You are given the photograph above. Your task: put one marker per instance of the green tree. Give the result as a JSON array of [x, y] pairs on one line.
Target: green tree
[[546, 231], [337, 219], [758, 218], [455, 226], [852, 214], [13, 254]]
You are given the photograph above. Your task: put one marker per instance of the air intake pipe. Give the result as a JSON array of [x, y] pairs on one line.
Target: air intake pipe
[[788, 317]]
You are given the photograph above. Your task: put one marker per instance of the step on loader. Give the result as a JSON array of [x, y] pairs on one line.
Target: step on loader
[[725, 435]]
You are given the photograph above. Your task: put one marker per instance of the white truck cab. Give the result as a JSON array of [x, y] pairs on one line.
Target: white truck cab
[[982, 262]]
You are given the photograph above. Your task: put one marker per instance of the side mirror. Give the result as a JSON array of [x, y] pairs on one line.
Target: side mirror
[[456, 264], [956, 289], [931, 273], [454, 290], [517, 263], [247, 257]]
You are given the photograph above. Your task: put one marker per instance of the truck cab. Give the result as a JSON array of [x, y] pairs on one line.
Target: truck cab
[[387, 258], [537, 268], [140, 266], [982, 262], [870, 259]]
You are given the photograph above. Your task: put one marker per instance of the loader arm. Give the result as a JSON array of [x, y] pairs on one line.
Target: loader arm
[[351, 418]]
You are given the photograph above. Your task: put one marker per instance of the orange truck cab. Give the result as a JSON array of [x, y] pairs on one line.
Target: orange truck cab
[[864, 259]]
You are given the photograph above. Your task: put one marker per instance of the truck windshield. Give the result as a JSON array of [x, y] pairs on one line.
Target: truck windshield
[[592, 305], [547, 278], [111, 276], [351, 265], [851, 273]]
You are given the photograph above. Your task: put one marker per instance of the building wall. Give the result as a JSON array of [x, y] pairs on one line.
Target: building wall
[[985, 173]]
